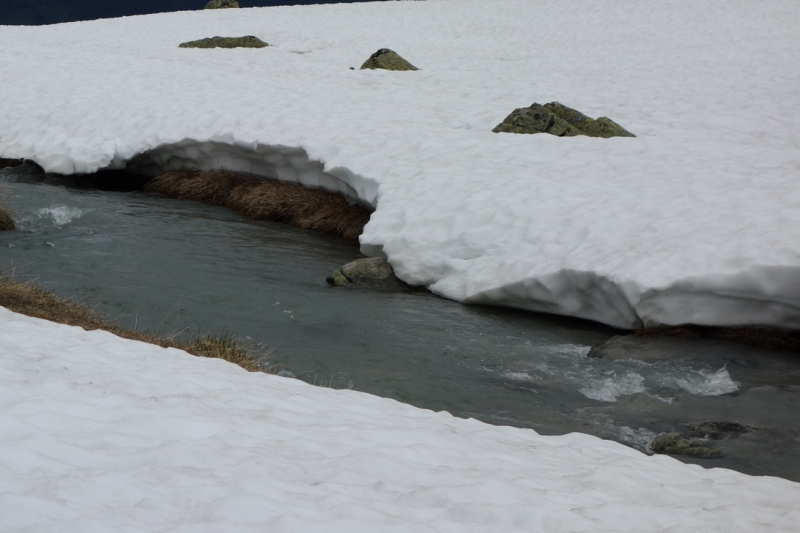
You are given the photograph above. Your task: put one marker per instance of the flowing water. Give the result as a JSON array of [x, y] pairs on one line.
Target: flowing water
[[169, 265]]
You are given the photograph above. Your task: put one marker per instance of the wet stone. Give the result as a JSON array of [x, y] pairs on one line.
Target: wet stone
[[675, 444]]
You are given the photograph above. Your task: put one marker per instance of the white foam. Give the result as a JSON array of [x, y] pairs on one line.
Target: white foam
[[60, 215], [708, 382], [613, 387]]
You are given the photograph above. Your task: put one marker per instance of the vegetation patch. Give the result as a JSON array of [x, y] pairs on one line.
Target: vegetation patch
[[312, 209], [771, 339], [31, 300], [6, 222]]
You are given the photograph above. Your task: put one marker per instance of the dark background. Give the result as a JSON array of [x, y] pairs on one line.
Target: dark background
[[52, 11]]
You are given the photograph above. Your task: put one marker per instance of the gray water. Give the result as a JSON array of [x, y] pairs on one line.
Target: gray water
[[171, 266]]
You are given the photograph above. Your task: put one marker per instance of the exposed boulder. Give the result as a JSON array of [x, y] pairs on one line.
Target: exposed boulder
[[248, 41], [9, 163], [676, 444], [367, 271], [387, 60], [559, 120], [222, 4]]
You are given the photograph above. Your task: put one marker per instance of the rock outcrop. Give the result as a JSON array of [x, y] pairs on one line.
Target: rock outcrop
[[559, 120], [676, 444], [248, 41], [367, 271], [222, 4], [388, 60]]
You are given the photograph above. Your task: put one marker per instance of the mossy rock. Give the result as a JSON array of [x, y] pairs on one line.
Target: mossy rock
[[559, 120], [387, 60], [337, 279], [366, 271], [676, 444], [222, 4], [248, 41]]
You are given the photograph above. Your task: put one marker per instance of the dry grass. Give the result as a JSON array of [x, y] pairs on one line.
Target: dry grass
[[6, 222], [31, 300], [312, 209], [760, 337]]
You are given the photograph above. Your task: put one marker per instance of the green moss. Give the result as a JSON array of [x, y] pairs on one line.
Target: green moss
[[248, 41], [675, 444], [388, 60], [337, 279], [222, 4]]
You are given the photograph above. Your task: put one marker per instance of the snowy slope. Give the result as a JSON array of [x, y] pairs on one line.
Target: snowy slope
[[692, 221], [103, 434]]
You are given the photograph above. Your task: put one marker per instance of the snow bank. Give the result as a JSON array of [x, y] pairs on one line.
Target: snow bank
[[692, 221], [100, 434]]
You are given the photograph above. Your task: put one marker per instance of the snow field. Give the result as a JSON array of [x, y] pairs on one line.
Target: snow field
[[692, 221], [99, 434]]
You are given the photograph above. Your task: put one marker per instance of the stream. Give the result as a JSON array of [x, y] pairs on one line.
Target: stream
[[179, 267]]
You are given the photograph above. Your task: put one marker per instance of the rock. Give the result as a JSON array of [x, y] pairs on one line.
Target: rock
[[367, 271], [719, 430], [10, 163], [676, 444], [222, 4], [248, 41], [337, 279], [559, 120], [387, 60]]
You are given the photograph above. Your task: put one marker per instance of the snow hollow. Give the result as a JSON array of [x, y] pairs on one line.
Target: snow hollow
[[692, 221]]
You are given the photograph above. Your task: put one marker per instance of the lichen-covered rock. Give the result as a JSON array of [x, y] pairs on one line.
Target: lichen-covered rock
[[222, 4], [559, 120], [367, 271], [337, 279], [387, 60], [536, 119], [248, 41], [676, 444]]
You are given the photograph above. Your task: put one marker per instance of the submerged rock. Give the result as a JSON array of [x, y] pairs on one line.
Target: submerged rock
[[388, 60], [675, 444], [367, 271], [559, 120], [248, 41], [222, 4]]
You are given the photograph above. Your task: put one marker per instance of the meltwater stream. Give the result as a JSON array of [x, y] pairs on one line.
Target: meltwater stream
[[171, 265]]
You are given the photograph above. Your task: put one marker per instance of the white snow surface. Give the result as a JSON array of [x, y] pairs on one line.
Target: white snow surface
[[693, 221], [102, 434]]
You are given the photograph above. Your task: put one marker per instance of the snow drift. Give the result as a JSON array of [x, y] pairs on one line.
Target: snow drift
[[692, 221]]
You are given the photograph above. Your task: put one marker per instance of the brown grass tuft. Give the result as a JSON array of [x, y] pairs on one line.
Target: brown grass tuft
[[31, 300], [6, 222], [771, 339], [312, 209]]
